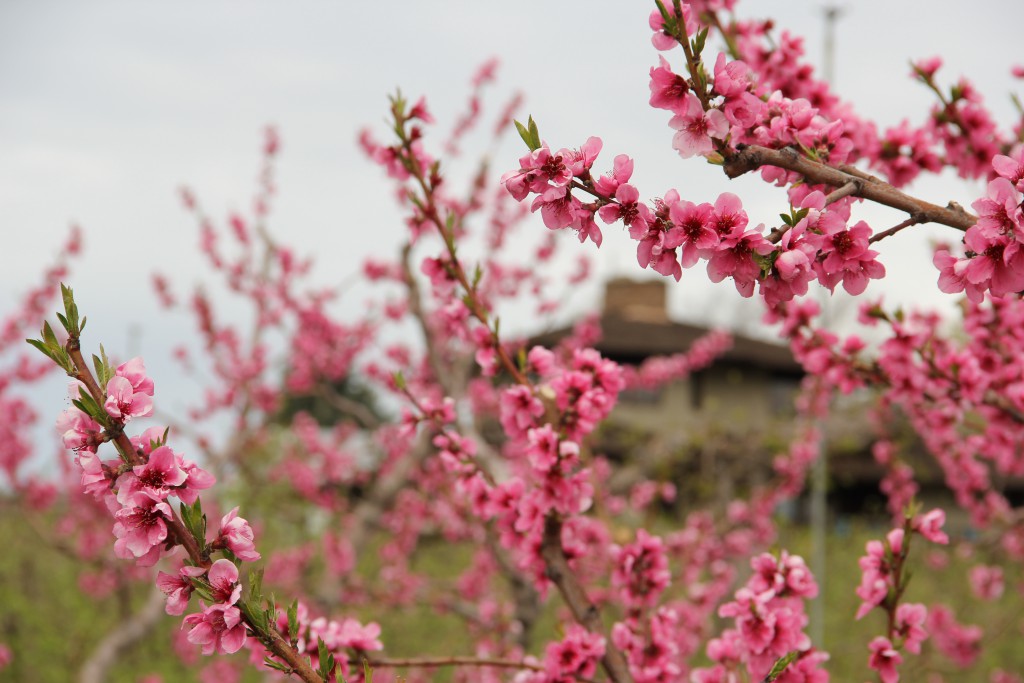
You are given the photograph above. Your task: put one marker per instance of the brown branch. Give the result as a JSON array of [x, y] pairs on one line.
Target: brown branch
[[403, 662], [424, 662], [846, 190], [583, 609], [748, 158]]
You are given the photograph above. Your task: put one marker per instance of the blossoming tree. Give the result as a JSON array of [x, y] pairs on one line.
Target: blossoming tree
[[548, 537]]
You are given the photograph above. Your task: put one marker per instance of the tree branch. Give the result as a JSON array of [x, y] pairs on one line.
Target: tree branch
[[583, 609], [752, 157]]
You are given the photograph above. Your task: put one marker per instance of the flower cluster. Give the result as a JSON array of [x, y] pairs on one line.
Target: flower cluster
[[768, 624]]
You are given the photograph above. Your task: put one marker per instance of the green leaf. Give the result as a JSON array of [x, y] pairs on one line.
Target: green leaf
[[534, 135], [529, 133], [48, 336], [367, 672], [399, 380], [70, 322], [780, 665], [276, 665], [256, 585], [323, 656], [46, 350], [664, 12], [524, 133], [293, 621], [698, 42]]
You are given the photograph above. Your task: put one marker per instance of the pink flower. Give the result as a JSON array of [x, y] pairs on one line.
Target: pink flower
[[662, 40], [141, 526], [622, 170], [930, 526], [358, 636], [884, 659], [641, 570], [536, 170], [735, 257], [953, 276], [844, 255], [987, 583], [1011, 167], [223, 578], [158, 476], [627, 208], [178, 589], [196, 480], [78, 431], [236, 534], [694, 230], [124, 403], [576, 656], [135, 372], [696, 128], [910, 620], [926, 68], [668, 89], [731, 78], [218, 628]]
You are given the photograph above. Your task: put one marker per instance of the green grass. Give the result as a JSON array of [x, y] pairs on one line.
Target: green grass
[[52, 627]]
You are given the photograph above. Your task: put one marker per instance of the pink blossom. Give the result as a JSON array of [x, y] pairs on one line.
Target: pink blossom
[[695, 128], [909, 624], [78, 431], [953, 276], [735, 257], [668, 89], [575, 656], [135, 372], [1011, 167], [218, 628], [731, 78], [124, 403], [622, 170], [140, 527], [236, 534], [536, 171], [178, 589], [223, 578], [160, 474], [694, 230], [884, 659], [987, 582], [196, 480], [926, 67], [930, 526], [627, 208], [961, 644], [662, 40]]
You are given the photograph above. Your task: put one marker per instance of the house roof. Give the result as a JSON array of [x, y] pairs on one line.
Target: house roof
[[630, 339], [635, 325]]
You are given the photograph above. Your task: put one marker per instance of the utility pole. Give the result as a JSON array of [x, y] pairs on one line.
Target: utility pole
[[819, 478]]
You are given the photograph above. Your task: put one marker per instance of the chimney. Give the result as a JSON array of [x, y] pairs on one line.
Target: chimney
[[640, 300]]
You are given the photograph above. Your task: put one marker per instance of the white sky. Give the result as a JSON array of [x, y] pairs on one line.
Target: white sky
[[107, 107]]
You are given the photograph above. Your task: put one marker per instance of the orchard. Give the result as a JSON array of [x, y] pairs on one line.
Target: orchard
[[417, 493]]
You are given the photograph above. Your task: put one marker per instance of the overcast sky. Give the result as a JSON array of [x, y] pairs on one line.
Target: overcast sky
[[107, 107]]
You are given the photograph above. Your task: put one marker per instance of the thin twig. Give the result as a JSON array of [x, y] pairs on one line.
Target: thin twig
[[913, 220]]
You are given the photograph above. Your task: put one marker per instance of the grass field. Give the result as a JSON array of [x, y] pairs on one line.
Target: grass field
[[52, 627]]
